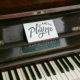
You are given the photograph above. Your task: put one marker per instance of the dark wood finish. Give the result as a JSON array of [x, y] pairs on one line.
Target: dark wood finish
[[10, 6], [45, 11], [36, 59], [1, 37], [14, 12], [18, 44], [16, 53], [63, 24]]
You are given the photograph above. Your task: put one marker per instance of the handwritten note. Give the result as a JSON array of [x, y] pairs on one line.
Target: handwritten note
[[41, 30]]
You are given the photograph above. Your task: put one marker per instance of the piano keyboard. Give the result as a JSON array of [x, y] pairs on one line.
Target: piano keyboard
[[64, 68]]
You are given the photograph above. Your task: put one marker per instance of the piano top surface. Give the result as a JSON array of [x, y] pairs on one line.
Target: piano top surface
[[17, 6]]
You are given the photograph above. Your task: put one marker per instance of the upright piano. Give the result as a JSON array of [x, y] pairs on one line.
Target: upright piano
[[51, 59]]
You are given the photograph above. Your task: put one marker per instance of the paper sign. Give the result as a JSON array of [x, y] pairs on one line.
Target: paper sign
[[41, 30]]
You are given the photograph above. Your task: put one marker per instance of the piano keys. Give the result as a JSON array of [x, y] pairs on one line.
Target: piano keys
[[60, 68]]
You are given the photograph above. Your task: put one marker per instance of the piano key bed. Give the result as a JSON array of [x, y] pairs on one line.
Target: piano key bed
[[62, 68]]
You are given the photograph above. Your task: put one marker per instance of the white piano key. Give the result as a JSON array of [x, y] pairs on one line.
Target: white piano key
[[75, 77], [47, 77], [35, 73], [53, 77], [4, 76], [27, 70], [75, 64], [7, 75], [43, 77], [76, 70], [57, 74], [19, 74], [13, 75], [69, 76], [62, 74], [24, 77], [77, 59]]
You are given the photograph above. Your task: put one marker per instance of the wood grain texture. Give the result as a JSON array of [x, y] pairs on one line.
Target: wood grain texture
[[18, 6], [46, 11], [13, 6], [63, 24], [37, 59]]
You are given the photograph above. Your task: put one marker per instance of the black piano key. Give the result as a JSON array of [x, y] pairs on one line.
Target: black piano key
[[78, 57], [75, 60], [59, 66], [26, 75], [64, 65], [10, 75], [1, 78], [51, 68], [68, 62], [16, 74], [37, 71], [45, 69], [32, 74]]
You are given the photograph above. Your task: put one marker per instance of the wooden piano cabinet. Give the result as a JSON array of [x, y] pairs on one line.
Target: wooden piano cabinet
[[16, 9], [55, 3], [10, 6], [14, 13], [38, 58], [63, 23]]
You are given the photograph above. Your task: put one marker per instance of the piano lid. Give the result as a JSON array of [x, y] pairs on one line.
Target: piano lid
[[20, 6]]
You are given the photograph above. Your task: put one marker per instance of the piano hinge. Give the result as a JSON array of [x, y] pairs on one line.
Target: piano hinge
[[76, 28], [38, 12], [1, 42]]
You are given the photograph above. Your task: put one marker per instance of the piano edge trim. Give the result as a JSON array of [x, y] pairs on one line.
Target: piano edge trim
[[39, 12], [39, 57]]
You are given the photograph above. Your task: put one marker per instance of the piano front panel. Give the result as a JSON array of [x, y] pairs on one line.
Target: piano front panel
[[63, 24], [70, 43], [9, 6]]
